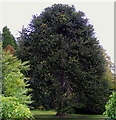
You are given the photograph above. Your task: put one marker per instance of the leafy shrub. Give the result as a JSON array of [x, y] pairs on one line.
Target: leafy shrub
[[13, 80], [111, 107], [13, 109]]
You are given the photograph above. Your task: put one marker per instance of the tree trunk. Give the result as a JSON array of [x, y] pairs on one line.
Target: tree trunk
[[60, 114]]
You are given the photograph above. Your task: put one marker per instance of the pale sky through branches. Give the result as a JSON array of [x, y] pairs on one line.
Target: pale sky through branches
[[100, 14]]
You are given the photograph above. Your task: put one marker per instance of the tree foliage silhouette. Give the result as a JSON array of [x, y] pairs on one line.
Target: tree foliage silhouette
[[67, 64]]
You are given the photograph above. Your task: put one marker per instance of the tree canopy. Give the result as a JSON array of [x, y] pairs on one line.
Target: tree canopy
[[67, 64]]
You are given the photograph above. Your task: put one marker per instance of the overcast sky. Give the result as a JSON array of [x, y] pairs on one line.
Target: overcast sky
[[100, 14]]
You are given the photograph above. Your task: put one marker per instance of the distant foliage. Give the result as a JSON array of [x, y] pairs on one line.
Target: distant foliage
[[111, 106], [8, 39]]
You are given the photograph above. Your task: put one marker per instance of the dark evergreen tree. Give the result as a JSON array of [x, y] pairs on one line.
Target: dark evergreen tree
[[8, 39], [67, 64]]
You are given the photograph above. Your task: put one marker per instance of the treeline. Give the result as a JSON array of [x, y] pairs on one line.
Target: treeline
[[69, 69]]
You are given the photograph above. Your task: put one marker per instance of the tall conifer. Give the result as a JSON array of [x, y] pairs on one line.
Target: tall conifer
[[66, 60], [8, 38]]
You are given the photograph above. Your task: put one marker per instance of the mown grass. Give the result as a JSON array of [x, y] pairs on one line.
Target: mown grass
[[50, 115]]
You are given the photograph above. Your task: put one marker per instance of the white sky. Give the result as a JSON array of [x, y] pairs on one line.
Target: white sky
[[100, 13]]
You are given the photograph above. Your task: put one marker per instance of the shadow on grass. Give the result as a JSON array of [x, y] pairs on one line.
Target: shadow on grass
[[50, 115]]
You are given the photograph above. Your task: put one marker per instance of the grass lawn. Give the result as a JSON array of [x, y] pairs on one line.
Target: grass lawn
[[50, 115]]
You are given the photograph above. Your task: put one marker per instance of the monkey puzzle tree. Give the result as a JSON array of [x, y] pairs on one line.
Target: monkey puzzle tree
[[66, 60]]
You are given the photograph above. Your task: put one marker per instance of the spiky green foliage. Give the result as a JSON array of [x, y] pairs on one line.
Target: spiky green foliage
[[66, 60], [12, 78], [8, 38], [14, 88]]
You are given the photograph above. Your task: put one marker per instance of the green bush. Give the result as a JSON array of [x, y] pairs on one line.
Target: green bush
[[13, 109], [111, 107], [13, 80]]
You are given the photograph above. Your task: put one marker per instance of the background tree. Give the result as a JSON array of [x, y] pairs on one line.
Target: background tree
[[109, 74], [8, 39], [67, 64], [0, 37], [113, 67]]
